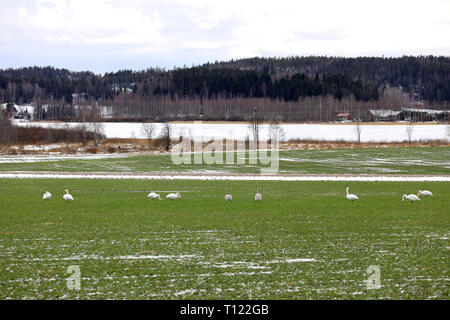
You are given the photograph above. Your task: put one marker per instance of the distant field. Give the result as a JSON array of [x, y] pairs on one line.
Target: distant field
[[303, 241], [423, 161]]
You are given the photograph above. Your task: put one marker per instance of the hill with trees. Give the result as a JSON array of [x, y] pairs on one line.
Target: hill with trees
[[287, 89]]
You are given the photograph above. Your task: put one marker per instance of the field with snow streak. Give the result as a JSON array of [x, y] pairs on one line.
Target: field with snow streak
[[386, 161], [304, 240]]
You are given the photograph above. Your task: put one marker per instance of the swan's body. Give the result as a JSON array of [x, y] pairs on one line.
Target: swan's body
[[153, 195], [350, 196], [228, 196], [425, 193], [410, 197], [173, 196], [67, 196], [258, 196], [47, 195]]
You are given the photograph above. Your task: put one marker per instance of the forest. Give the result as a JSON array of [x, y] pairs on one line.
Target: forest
[[286, 89]]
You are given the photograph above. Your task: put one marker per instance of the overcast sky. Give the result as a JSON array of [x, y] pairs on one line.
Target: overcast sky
[[102, 35]]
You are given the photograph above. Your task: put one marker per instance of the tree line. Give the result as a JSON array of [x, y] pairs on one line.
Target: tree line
[[291, 89], [227, 83], [424, 77]]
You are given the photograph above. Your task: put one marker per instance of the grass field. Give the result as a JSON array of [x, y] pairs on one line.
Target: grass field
[[303, 241], [426, 160]]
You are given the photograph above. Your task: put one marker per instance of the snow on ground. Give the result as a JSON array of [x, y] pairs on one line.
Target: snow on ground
[[127, 257], [28, 108], [115, 175], [51, 158], [239, 131]]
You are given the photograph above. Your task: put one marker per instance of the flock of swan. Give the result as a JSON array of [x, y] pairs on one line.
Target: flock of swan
[[170, 196], [413, 197], [67, 196], [258, 197], [410, 197]]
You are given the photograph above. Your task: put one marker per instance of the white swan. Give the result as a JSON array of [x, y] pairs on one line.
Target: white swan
[[258, 196], [228, 196], [173, 196], [47, 195], [425, 193], [410, 197], [153, 195], [67, 196], [350, 196]]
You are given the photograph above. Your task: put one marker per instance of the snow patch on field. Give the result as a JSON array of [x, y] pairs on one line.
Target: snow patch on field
[[126, 257], [52, 158], [296, 260], [37, 175], [244, 273], [185, 292]]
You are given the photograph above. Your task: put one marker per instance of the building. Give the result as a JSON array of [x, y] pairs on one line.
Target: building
[[419, 114], [343, 116], [23, 112], [382, 115], [408, 114]]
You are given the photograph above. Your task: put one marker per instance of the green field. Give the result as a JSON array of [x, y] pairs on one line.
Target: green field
[[426, 160], [303, 241]]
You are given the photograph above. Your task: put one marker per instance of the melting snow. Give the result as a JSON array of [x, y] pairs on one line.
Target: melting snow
[[37, 175]]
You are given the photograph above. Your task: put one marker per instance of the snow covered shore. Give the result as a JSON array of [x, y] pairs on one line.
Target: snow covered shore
[[239, 131], [227, 177]]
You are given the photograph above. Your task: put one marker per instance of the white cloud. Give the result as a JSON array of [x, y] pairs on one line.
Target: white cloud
[[93, 21], [375, 26], [178, 30]]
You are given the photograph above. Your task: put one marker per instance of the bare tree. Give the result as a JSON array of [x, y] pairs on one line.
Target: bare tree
[[48, 137], [409, 132], [96, 126], [148, 129], [254, 127], [165, 135], [67, 133], [276, 132], [6, 127], [83, 114], [358, 130]]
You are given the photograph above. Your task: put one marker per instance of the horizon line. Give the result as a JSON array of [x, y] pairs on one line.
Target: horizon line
[[225, 61]]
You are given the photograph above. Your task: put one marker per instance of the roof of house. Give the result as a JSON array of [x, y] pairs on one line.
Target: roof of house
[[429, 111], [384, 113]]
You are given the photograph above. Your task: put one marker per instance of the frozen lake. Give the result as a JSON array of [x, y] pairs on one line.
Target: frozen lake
[[239, 131]]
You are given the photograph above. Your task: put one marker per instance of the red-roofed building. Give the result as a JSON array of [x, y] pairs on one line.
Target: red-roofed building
[[343, 116]]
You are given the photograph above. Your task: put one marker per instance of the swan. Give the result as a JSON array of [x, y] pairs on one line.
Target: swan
[[228, 196], [67, 196], [351, 196], [47, 195], [153, 195], [258, 196], [173, 196], [425, 193], [410, 197]]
